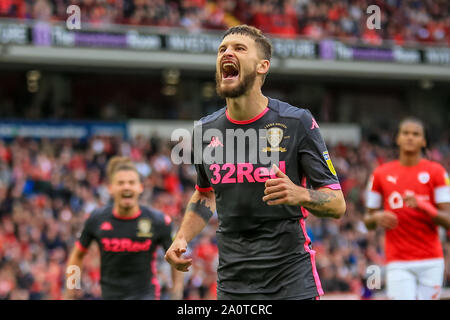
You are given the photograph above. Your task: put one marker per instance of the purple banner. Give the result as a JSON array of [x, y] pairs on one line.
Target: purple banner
[[42, 34], [100, 40], [327, 50], [373, 54]]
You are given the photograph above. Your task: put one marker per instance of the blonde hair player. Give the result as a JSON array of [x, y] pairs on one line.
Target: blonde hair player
[[128, 235]]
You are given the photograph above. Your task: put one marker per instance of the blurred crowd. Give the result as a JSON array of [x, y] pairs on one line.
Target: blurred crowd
[[402, 21], [49, 187]]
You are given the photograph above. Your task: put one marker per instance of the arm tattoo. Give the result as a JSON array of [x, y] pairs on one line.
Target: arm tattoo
[[318, 199], [201, 209], [318, 202]]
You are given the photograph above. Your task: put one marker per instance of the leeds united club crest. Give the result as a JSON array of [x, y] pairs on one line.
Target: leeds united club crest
[[144, 228], [274, 138]]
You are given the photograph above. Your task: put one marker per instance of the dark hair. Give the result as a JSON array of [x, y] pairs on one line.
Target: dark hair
[[264, 45], [419, 122], [118, 163], [261, 40]]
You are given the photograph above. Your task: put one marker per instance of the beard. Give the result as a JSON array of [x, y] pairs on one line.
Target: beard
[[245, 85], [127, 204]]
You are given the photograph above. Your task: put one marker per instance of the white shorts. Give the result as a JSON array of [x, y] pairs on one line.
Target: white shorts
[[415, 280]]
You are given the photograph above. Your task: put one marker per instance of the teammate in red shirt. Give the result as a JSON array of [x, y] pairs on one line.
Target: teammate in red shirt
[[415, 195]]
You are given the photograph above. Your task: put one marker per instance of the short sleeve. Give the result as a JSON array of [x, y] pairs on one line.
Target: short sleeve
[[166, 233], [87, 234], [441, 182], [314, 158], [203, 184], [374, 198]]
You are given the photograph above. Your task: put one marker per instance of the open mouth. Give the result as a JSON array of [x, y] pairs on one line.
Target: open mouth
[[229, 70], [127, 195]]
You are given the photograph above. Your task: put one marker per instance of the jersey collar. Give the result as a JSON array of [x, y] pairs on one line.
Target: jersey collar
[[133, 216], [247, 121]]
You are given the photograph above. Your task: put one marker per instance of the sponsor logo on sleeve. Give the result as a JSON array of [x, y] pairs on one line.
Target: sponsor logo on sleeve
[[327, 158]]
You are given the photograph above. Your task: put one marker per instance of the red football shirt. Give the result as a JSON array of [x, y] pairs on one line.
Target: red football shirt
[[416, 237]]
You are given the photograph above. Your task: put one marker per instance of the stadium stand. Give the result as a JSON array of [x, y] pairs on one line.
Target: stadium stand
[[402, 21]]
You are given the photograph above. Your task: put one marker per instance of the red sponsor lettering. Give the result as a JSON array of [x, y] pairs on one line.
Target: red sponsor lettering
[[238, 173], [215, 168], [125, 245], [261, 174], [136, 246], [227, 177], [106, 244], [245, 170], [115, 245], [147, 244]]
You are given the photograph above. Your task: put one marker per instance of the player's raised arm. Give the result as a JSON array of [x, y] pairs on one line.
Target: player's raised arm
[[199, 210]]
